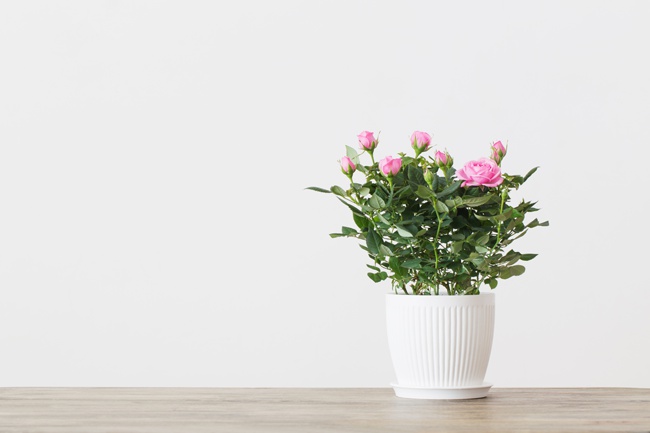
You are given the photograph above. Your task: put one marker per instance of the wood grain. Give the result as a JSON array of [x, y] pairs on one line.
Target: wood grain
[[287, 410]]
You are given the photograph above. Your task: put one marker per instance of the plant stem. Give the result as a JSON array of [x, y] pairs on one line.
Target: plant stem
[[392, 189], [479, 282], [504, 193], [356, 193], [435, 246], [503, 201]]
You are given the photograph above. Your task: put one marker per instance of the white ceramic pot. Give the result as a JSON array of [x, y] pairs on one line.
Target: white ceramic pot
[[440, 345]]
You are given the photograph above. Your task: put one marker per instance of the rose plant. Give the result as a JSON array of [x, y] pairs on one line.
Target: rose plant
[[429, 227]]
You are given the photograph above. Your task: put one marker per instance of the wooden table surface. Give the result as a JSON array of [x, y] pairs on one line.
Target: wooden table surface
[[287, 410]]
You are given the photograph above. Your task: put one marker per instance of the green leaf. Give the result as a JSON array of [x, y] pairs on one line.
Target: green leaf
[[514, 259], [355, 211], [512, 271], [508, 213], [454, 203], [317, 189], [373, 241], [352, 154], [378, 277], [529, 174], [412, 264], [535, 223], [517, 270], [348, 231], [338, 191], [518, 235], [441, 207], [526, 257], [360, 221], [477, 201], [383, 219], [436, 181], [512, 254], [385, 251], [478, 261], [415, 177], [336, 235], [424, 192], [492, 282], [376, 202], [456, 247], [481, 249], [449, 190], [514, 223], [403, 232], [393, 262]]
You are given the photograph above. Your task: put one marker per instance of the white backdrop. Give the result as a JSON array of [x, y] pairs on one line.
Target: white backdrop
[[154, 229]]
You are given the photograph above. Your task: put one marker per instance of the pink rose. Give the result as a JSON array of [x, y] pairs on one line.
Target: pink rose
[[443, 160], [420, 141], [347, 165], [390, 166], [367, 140], [481, 172], [440, 158], [498, 152]]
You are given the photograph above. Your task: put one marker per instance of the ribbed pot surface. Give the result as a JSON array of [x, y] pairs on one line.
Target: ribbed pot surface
[[440, 341]]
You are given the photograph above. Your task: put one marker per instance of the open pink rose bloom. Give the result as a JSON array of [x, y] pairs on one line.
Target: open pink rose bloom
[[480, 172]]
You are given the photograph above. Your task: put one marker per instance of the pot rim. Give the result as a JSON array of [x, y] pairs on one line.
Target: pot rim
[[440, 300]]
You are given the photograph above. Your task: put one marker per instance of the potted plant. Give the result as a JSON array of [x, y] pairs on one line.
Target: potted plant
[[443, 238]]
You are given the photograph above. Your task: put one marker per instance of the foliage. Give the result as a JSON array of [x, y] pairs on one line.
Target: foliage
[[426, 229]]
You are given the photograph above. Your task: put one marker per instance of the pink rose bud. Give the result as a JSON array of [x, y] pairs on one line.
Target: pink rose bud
[[498, 152], [443, 160], [440, 158], [390, 166], [420, 141], [367, 141], [481, 172], [347, 166], [428, 177]]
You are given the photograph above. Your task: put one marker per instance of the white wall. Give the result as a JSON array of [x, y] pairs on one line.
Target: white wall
[[154, 229]]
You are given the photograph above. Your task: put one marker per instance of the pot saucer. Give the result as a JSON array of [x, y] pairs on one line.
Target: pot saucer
[[460, 393]]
